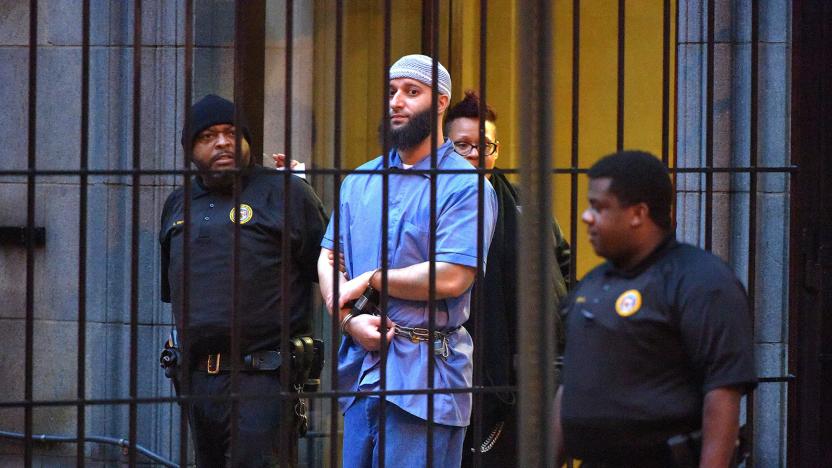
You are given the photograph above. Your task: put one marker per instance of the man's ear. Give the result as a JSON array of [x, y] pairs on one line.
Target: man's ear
[[641, 214], [443, 103]]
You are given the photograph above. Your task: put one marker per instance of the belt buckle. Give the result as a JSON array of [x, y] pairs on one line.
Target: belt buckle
[[213, 366]]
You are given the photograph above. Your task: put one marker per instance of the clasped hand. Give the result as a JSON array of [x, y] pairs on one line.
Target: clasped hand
[[365, 329]]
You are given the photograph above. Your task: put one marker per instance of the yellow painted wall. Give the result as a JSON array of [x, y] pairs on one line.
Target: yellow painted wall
[[363, 89]]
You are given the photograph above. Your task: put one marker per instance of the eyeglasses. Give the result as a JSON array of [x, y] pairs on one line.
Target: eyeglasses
[[464, 148]]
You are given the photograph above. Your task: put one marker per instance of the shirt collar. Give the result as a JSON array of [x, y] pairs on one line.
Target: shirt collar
[[668, 243], [424, 164]]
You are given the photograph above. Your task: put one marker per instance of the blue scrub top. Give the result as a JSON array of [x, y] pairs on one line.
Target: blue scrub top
[[408, 244]]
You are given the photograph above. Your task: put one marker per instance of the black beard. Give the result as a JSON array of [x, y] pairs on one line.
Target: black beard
[[219, 180], [411, 134]]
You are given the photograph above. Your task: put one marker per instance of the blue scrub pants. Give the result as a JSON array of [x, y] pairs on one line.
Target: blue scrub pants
[[405, 438]]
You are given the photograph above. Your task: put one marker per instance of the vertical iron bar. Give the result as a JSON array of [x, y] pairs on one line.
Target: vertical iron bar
[[134, 228], [239, 92], [665, 81], [450, 58], [185, 377], [385, 220], [709, 131], [434, 162], [536, 342], [576, 103], [752, 203], [286, 445], [675, 112], [81, 388], [536, 377], [619, 133], [30, 226], [135, 231], [252, 41], [479, 288], [428, 39], [335, 335]]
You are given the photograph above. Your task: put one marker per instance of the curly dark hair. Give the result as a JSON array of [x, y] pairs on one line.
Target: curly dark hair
[[469, 107], [638, 177]]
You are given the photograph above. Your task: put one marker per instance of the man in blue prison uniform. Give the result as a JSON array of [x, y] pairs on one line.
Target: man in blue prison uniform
[[408, 233]]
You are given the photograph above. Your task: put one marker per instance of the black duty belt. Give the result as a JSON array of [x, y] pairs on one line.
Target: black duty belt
[[262, 361]]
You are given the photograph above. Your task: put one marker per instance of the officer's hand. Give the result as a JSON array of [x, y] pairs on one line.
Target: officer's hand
[[280, 161], [341, 265], [365, 330]]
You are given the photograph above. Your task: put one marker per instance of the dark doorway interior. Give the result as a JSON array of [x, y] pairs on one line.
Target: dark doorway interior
[[810, 403]]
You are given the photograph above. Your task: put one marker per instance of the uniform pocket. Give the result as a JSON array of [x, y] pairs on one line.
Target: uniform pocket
[[413, 246]]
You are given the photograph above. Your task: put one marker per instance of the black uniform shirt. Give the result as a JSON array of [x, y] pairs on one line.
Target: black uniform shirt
[[643, 348], [260, 262]]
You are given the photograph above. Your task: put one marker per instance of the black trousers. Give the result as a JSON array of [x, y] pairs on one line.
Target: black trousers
[[259, 422], [656, 457]]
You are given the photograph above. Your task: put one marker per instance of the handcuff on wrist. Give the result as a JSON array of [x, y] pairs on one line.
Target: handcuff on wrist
[[366, 304]]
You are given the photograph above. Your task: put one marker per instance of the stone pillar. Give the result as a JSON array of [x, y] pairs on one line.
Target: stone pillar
[[731, 147]]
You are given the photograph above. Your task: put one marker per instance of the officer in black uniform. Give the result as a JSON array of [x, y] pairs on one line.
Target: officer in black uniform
[[659, 344], [207, 330]]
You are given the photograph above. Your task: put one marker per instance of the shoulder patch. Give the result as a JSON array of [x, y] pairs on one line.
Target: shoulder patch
[[628, 303]]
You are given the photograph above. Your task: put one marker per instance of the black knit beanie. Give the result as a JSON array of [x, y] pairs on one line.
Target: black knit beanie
[[212, 110]]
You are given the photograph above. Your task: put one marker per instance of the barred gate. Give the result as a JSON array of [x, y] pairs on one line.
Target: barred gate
[[722, 98]]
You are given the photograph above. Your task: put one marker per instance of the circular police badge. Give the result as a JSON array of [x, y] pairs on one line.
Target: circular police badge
[[245, 214], [628, 303]]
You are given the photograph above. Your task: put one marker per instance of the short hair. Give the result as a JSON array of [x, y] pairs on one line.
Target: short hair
[[469, 107], [638, 177]]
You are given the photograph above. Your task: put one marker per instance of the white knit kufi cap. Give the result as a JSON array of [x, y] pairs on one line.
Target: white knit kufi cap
[[420, 68]]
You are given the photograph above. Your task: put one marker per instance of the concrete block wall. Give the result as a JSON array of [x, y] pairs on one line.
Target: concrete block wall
[[109, 212], [732, 126]]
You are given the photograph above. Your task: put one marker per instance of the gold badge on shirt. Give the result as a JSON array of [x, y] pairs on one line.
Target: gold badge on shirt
[[246, 214], [628, 303]]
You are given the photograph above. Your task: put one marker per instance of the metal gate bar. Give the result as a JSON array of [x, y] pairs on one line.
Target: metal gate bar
[[434, 158], [751, 281], [185, 377], [478, 296], [30, 226], [709, 131], [335, 335], [575, 133], [385, 220], [286, 458], [535, 344], [81, 388], [134, 228], [622, 24], [666, 82]]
